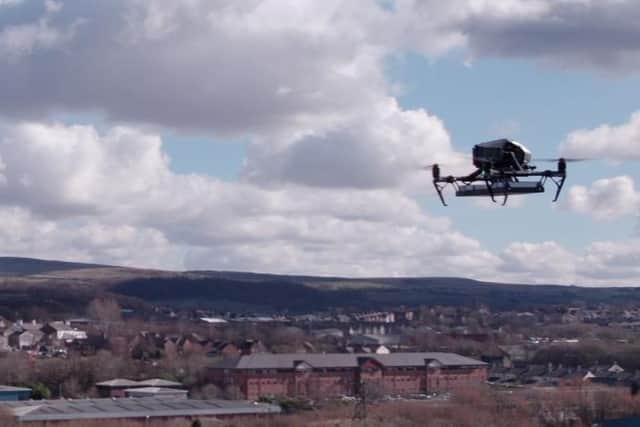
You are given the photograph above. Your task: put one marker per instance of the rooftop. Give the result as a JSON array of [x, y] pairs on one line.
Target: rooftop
[[153, 382], [156, 390], [342, 360], [158, 382], [56, 410], [8, 389], [118, 382]]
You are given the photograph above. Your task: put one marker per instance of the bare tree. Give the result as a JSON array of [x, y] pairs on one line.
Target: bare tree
[[105, 309]]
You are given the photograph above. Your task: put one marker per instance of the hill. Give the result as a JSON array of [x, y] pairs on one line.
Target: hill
[[62, 286], [14, 266]]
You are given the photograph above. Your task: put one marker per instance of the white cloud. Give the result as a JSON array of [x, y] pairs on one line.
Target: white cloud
[[53, 6], [23, 234], [603, 263], [302, 66], [106, 196], [214, 66], [617, 143], [383, 147], [612, 262], [25, 38], [59, 170], [606, 198], [539, 262]]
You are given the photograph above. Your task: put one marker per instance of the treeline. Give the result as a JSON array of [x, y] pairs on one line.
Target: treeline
[[590, 354]]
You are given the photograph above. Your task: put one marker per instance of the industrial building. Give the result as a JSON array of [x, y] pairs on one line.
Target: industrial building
[[72, 413]]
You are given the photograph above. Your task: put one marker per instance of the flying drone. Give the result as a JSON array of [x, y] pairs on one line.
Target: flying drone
[[502, 168]]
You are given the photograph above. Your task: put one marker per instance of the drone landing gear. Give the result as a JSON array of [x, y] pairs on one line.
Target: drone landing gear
[[505, 188], [439, 187], [558, 180]]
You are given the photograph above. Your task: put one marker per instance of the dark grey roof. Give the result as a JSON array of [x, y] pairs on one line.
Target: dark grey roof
[[342, 360], [50, 410]]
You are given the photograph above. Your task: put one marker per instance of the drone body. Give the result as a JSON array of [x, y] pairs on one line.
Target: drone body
[[502, 169]]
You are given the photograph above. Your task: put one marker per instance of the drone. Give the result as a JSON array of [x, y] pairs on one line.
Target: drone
[[502, 168]]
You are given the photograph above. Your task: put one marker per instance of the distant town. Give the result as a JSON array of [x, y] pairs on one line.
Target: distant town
[[319, 361]]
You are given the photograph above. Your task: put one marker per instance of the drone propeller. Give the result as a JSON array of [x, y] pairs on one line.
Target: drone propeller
[[430, 166], [566, 159]]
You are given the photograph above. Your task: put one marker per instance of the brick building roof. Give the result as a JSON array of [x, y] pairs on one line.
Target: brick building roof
[[342, 360]]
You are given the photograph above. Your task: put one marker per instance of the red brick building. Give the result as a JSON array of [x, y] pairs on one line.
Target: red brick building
[[315, 375]]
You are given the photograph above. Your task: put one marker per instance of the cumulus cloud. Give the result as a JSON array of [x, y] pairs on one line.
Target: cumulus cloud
[[588, 34], [248, 67], [59, 170], [539, 262], [228, 67], [607, 198], [383, 148], [617, 262], [617, 143], [112, 194], [23, 39], [604, 263], [23, 234]]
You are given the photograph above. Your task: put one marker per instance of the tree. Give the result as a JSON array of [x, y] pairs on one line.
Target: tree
[[40, 391], [105, 309]]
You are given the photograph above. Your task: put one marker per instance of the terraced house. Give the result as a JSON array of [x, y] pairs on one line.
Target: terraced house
[[315, 375]]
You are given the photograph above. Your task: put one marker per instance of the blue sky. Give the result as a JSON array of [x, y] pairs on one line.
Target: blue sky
[[285, 136]]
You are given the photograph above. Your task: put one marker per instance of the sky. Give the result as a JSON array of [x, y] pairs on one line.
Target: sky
[[288, 136]]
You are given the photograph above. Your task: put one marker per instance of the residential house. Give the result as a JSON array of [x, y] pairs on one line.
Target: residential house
[[60, 332], [225, 349], [29, 340], [4, 343]]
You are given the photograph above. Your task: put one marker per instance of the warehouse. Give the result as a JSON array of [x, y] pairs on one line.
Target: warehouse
[[135, 411]]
